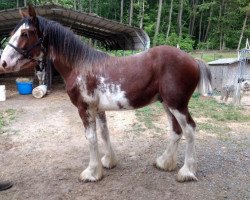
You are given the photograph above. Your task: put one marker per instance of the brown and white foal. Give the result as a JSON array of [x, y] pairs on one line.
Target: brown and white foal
[[97, 82]]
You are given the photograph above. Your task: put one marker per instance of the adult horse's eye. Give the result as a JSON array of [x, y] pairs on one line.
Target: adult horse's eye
[[24, 34]]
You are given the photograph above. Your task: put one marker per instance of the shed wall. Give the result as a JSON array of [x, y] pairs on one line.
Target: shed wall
[[225, 74]]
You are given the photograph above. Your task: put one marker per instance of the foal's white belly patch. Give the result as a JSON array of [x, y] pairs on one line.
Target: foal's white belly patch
[[108, 96], [111, 97]]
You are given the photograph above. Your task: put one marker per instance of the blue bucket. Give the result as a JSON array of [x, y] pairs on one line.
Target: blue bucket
[[24, 87]]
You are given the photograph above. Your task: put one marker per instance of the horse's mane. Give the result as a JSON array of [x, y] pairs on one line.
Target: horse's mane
[[65, 42]]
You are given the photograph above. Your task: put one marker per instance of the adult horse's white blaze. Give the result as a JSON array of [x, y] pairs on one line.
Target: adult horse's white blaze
[[10, 56]]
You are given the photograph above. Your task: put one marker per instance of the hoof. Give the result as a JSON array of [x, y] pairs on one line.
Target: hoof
[[91, 175], [186, 175], [109, 162], [167, 165]]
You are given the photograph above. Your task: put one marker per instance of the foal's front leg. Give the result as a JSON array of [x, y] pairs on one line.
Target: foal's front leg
[[109, 159], [94, 171]]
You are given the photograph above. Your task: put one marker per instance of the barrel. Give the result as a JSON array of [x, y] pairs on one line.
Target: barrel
[[2, 93], [39, 91]]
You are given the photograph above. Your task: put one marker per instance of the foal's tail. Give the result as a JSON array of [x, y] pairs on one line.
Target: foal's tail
[[205, 83]]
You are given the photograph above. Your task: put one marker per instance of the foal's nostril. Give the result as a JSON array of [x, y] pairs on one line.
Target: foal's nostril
[[4, 64]]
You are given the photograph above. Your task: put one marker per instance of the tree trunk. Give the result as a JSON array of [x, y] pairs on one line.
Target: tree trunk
[[200, 24], [131, 12], [242, 31], [90, 6], [25, 3], [223, 42], [169, 18], [158, 22], [193, 21], [142, 14], [79, 5], [121, 15], [221, 24], [75, 4], [193, 17], [180, 18], [17, 3], [209, 24], [97, 8]]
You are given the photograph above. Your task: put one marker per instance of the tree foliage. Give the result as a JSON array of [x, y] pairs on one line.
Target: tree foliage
[[194, 24]]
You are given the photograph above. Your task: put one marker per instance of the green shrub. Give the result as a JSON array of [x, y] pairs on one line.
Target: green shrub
[[203, 45], [186, 43]]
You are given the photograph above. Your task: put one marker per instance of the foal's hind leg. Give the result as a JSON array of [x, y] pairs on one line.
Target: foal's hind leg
[[109, 159], [168, 160], [187, 172]]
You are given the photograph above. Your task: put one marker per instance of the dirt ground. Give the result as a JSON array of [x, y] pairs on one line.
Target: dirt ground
[[43, 151]]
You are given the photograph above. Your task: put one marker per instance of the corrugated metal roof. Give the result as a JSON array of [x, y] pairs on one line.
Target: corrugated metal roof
[[112, 34], [224, 61]]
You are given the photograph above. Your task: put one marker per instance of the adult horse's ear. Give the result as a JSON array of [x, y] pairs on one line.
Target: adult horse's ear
[[23, 14], [31, 11]]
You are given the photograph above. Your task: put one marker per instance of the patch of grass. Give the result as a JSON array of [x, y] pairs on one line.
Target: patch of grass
[[218, 129], [212, 55], [217, 114], [210, 108], [6, 117], [137, 128], [148, 115]]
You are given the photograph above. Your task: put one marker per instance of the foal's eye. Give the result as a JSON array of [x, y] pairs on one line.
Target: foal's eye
[[24, 34]]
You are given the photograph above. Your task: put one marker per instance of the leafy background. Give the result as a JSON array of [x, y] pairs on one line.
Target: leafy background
[[195, 24]]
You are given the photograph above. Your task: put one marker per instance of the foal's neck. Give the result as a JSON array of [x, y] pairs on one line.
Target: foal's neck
[[68, 53], [61, 65]]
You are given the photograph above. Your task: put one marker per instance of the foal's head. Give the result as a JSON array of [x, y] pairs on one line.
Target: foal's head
[[25, 45]]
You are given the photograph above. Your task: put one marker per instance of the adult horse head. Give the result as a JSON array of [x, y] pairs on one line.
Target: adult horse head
[[24, 48], [96, 82]]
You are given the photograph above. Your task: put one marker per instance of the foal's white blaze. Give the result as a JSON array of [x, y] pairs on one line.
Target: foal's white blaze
[[10, 55], [187, 172]]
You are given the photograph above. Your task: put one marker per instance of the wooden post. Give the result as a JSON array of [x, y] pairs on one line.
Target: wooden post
[[48, 77], [237, 93]]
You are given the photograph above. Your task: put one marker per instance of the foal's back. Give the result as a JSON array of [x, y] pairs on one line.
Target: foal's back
[[159, 73]]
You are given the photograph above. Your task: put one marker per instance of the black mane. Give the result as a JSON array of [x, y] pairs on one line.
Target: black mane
[[65, 42]]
